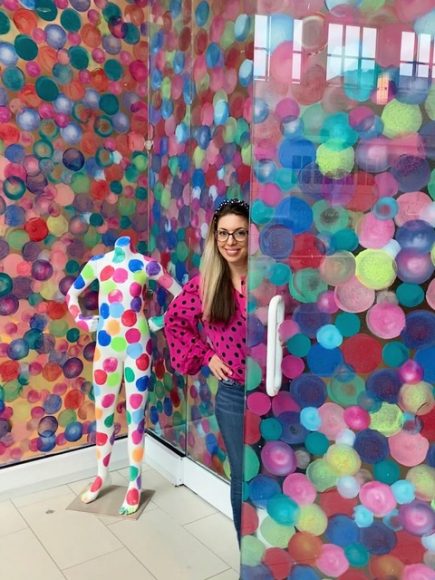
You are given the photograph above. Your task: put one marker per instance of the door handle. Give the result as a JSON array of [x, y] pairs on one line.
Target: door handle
[[275, 317]]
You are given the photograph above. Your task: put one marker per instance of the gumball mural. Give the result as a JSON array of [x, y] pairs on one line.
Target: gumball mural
[[73, 112], [340, 472]]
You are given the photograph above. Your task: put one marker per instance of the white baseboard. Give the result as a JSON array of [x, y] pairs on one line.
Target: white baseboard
[[54, 470]]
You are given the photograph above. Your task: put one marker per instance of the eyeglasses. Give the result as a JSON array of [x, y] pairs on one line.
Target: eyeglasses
[[239, 236]]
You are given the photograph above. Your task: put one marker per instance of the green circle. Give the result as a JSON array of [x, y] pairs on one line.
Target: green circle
[[14, 188], [16, 239], [395, 354], [299, 345], [46, 89], [306, 285], [253, 374], [114, 379], [78, 57], [96, 219], [251, 463], [329, 218], [108, 421], [34, 299], [25, 47], [103, 157], [357, 555], [316, 443], [346, 392], [43, 149], [410, 294], [48, 129], [12, 390], [116, 187], [80, 183], [111, 12], [113, 69], [271, 429], [119, 344], [73, 335], [140, 161], [5, 284], [72, 267], [132, 33], [129, 375], [103, 126], [46, 9], [348, 324], [276, 534], [109, 104], [5, 24], [70, 20], [66, 417], [252, 550], [386, 471], [13, 78]]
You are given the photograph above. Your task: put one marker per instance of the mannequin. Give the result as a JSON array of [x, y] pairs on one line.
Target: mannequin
[[123, 350]]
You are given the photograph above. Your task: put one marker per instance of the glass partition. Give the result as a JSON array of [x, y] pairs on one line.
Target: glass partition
[[339, 464]]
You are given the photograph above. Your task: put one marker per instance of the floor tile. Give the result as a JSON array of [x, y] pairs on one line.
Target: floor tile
[[227, 575], [167, 549], [69, 537], [22, 556], [118, 564], [10, 519], [217, 532], [182, 504], [51, 493], [79, 486]]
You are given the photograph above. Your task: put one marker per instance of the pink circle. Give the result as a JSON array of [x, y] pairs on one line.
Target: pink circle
[[378, 498], [137, 436], [282, 403], [418, 572], [356, 418], [386, 320], [115, 296], [287, 108], [332, 560], [259, 403], [288, 329], [332, 416], [386, 185], [326, 302], [430, 294], [409, 449], [410, 206], [281, 62], [352, 296], [278, 458], [135, 289], [411, 372], [292, 366], [120, 275], [299, 488], [136, 401], [110, 364], [107, 401], [132, 335], [374, 233]]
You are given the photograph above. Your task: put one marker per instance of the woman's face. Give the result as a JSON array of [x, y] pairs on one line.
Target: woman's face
[[234, 249]]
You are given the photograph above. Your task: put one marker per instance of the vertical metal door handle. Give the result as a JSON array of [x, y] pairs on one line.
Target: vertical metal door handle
[[275, 317]]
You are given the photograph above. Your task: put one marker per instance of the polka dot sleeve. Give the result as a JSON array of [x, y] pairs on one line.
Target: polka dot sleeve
[[189, 352]]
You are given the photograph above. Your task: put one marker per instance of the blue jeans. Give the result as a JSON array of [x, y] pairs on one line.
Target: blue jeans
[[230, 410]]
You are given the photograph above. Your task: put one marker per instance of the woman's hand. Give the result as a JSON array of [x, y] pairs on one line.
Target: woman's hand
[[220, 370]]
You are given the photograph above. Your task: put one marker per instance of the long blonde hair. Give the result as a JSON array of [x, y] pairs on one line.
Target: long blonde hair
[[216, 285]]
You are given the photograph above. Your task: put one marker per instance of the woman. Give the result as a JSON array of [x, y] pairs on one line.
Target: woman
[[216, 298]]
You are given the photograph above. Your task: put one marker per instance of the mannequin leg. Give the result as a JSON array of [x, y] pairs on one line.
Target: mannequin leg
[[136, 378], [107, 375]]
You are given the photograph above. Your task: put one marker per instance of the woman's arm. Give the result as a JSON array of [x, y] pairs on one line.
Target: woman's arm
[[188, 350]]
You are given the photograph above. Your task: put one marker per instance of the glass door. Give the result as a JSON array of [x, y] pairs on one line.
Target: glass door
[[339, 449]]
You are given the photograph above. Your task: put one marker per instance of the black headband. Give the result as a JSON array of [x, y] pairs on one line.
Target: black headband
[[231, 203]]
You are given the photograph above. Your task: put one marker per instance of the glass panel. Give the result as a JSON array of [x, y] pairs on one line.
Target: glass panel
[[339, 464]]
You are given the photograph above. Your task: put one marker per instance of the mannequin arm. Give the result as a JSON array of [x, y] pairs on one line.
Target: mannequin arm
[[86, 277], [156, 272]]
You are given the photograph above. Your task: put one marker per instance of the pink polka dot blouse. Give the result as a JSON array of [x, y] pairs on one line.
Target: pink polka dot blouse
[[191, 348]]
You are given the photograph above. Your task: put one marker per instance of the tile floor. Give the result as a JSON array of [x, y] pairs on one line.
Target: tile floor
[[178, 537]]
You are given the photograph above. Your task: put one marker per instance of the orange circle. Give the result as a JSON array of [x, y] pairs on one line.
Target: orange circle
[[304, 547]]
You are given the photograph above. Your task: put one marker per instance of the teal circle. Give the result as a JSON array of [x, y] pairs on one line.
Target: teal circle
[[279, 274], [132, 33], [25, 47], [5, 284], [73, 335], [96, 219], [410, 294], [261, 213], [111, 12], [46, 9], [348, 324], [14, 188], [395, 354], [113, 69], [46, 89], [299, 345], [316, 443], [103, 126], [116, 187], [386, 471], [5, 24], [78, 57], [70, 20], [142, 247], [109, 104], [141, 193], [13, 78], [72, 267], [43, 149], [124, 222], [357, 555], [345, 239], [62, 73], [271, 429]]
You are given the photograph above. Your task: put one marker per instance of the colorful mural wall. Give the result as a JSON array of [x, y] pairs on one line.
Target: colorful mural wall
[[200, 111], [73, 176], [340, 464]]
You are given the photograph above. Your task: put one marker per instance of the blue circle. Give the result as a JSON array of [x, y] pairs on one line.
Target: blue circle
[[378, 538], [302, 572], [73, 431], [104, 310], [384, 385], [419, 330], [342, 531], [322, 361], [295, 214], [261, 489], [426, 359], [293, 432], [103, 338], [371, 446], [308, 390]]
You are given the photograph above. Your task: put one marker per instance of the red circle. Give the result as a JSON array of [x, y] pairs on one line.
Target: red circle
[[249, 519], [332, 503], [143, 362], [252, 428], [362, 352], [278, 561], [100, 377], [36, 229], [73, 399], [132, 335], [129, 318], [101, 438], [308, 252], [106, 273]]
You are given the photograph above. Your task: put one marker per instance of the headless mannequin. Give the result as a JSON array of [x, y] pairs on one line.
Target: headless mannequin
[[123, 351]]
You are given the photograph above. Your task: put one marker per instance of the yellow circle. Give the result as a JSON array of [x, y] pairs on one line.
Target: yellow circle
[[343, 459], [388, 419], [312, 519], [375, 269]]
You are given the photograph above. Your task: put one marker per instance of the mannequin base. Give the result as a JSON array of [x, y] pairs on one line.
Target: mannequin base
[[109, 501]]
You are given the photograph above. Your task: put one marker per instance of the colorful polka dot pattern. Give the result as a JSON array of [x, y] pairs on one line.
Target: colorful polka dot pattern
[[199, 113], [340, 465], [73, 124], [123, 349]]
